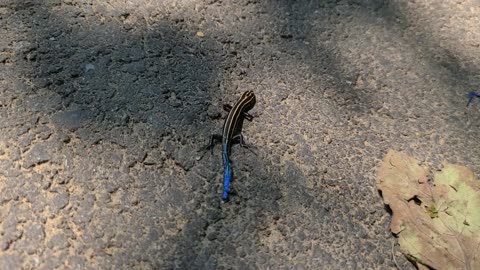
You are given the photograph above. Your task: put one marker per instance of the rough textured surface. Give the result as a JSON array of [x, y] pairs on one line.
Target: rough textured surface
[[103, 105]]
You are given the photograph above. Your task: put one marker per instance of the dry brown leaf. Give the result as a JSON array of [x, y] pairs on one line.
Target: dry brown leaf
[[437, 222]]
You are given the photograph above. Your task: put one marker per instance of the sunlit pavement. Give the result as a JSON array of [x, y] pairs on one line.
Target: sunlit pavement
[[104, 106]]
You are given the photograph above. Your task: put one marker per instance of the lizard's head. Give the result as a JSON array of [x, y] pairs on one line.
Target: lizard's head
[[249, 98]]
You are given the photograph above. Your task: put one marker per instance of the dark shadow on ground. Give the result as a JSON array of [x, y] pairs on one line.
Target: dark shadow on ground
[[123, 104], [115, 74], [120, 105], [220, 234]]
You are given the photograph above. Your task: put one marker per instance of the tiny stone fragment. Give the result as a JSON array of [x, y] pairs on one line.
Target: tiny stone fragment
[[60, 201]]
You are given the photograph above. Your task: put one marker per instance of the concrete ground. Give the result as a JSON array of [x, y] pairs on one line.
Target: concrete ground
[[104, 104]]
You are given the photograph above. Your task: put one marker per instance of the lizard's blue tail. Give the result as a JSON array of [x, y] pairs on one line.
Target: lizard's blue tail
[[471, 95], [227, 174]]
